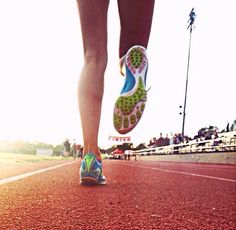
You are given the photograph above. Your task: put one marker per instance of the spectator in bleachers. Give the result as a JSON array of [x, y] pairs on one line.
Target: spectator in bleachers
[[152, 142], [160, 141], [167, 140], [208, 136], [171, 139], [186, 139], [177, 138]]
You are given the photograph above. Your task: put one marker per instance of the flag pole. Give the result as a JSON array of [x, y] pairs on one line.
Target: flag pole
[[192, 17]]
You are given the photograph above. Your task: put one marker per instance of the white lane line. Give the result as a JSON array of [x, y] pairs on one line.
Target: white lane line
[[24, 175], [184, 173]]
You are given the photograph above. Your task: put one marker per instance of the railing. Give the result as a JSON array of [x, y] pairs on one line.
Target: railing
[[213, 145]]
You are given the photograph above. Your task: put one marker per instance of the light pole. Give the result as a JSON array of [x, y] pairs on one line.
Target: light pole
[[192, 17]]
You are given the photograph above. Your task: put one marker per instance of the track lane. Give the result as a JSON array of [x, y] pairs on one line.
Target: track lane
[[136, 197], [28, 174], [216, 171]]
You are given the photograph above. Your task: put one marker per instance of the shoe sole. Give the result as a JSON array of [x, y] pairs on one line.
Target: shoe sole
[[91, 181], [128, 109], [88, 181]]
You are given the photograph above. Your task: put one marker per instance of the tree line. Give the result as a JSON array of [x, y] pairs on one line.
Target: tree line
[[26, 147]]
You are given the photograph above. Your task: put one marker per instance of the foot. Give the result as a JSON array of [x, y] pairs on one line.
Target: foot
[[130, 105], [91, 170]]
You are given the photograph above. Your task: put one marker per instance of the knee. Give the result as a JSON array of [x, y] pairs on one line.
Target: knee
[[96, 59]]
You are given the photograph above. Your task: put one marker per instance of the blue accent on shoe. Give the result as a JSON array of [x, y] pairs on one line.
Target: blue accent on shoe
[[129, 81]]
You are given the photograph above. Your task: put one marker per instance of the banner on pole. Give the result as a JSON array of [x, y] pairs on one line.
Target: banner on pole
[[119, 138]]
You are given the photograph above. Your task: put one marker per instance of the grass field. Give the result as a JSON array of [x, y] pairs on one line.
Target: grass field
[[13, 164], [9, 158]]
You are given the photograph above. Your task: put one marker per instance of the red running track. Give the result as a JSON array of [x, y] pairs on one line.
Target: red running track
[[139, 195]]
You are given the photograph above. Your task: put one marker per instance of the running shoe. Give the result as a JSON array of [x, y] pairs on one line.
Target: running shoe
[[130, 105], [91, 170]]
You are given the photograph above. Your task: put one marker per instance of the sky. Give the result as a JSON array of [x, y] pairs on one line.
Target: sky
[[41, 56]]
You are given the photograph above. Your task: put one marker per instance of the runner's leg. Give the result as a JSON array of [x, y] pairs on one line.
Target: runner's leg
[[136, 21], [93, 19]]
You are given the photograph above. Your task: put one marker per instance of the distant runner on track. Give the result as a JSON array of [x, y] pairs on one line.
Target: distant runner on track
[[135, 20]]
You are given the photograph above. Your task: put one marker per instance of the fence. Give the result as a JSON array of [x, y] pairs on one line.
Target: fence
[[222, 144]]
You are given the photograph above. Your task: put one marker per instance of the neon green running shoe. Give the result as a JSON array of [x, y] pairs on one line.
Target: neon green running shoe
[[91, 170]]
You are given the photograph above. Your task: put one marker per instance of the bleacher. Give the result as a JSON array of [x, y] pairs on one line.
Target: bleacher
[[225, 143]]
